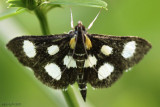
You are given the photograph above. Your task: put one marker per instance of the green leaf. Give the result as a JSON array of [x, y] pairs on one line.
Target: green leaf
[[48, 8], [29, 4], [15, 3], [89, 3], [10, 13]]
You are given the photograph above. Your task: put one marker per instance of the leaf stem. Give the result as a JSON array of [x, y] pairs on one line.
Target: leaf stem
[[43, 20]]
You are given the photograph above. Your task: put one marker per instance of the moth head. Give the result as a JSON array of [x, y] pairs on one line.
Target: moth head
[[80, 27]]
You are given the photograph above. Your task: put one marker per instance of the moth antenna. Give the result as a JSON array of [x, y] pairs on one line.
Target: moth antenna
[[72, 26], [90, 25]]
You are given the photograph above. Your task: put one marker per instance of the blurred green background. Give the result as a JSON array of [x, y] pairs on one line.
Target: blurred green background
[[139, 87]]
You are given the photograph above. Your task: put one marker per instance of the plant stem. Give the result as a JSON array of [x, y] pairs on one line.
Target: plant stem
[[69, 94], [43, 21], [70, 97]]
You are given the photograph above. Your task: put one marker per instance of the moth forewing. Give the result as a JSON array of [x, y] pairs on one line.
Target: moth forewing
[[45, 55]]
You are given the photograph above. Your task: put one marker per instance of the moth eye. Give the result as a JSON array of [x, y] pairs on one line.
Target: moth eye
[[129, 49], [83, 28], [106, 50], [29, 49], [105, 70], [53, 70], [75, 28], [53, 49]]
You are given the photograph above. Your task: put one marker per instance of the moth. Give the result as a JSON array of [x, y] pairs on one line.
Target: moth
[[63, 59]]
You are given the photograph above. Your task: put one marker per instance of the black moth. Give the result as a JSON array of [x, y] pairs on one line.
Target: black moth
[[63, 59]]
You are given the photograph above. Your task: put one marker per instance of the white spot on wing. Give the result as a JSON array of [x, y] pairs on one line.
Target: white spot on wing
[[128, 69], [53, 70], [29, 48], [90, 61], [30, 69], [105, 70], [69, 62], [129, 49], [53, 49], [106, 50]]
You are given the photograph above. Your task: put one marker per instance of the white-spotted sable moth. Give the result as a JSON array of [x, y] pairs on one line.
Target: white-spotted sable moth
[[63, 59]]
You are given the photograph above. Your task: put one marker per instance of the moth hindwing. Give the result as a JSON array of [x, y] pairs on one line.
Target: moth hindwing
[[60, 60]]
